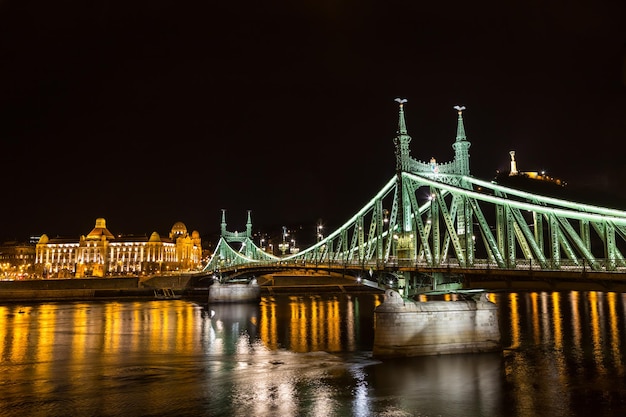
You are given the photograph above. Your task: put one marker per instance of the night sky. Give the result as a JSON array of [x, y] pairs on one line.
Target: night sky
[[151, 112]]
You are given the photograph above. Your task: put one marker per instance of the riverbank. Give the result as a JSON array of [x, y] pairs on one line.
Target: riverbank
[[84, 289], [190, 286]]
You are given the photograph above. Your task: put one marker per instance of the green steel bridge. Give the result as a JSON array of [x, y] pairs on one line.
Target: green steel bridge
[[435, 221]]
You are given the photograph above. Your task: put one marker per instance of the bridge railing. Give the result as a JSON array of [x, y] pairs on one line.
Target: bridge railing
[[452, 264], [570, 265]]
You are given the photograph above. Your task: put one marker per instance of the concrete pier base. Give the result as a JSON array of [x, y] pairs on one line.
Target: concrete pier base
[[234, 293], [411, 328]]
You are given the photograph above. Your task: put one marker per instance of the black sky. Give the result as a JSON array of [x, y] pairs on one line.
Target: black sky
[[151, 112]]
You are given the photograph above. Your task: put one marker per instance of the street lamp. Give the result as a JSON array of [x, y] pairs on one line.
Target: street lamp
[[293, 248], [284, 245]]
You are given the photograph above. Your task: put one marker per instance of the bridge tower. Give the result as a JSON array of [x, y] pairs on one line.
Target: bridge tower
[[402, 141], [464, 224], [405, 243], [408, 234], [247, 246], [461, 145]]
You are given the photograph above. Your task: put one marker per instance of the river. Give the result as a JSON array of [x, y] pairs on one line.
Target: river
[[305, 356]]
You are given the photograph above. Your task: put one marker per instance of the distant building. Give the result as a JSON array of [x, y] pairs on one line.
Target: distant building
[[17, 260], [101, 254]]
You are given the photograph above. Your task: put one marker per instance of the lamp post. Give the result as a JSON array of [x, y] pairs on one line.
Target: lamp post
[[293, 248], [284, 245], [319, 237], [319, 228]]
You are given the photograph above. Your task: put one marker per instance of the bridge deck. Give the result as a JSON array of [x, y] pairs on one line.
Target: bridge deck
[[314, 284]]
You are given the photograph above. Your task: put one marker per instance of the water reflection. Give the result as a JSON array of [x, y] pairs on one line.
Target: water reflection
[[230, 327], [450, 385], [282, 352], [571, 354], [563, 356]]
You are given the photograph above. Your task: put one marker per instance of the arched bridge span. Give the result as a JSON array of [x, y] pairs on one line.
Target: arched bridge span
[[435, 217]]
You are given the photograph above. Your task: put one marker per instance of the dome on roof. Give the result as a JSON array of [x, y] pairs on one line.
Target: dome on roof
[[100, 231], [154, 237], [179, 228], [195, 234], [44, 239]]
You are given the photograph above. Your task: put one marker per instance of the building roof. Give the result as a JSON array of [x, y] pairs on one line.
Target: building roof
[[100, 230]]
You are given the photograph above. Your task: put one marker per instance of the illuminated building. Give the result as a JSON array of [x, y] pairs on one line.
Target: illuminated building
[[16, 260], [100, 253]]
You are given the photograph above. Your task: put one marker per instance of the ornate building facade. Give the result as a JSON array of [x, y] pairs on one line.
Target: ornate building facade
[[101, 254], [17, 260]]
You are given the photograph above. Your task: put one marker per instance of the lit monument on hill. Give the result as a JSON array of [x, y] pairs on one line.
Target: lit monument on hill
[[513, 164]]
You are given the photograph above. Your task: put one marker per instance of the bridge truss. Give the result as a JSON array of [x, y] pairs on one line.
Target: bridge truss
[[438, 215], [247, 253]]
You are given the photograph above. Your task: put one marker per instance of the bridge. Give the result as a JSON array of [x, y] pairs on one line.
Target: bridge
[[434, 225]]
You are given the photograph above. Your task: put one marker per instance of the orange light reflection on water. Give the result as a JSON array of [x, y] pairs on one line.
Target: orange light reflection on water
[[515, 324], [596, 329], [588, 325], [314, 325], [557, 326], [268, 327], [576, 326], [614, 331], [534, 314]]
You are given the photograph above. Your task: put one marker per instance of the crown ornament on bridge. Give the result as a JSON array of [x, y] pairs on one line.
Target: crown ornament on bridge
[[401, 101]]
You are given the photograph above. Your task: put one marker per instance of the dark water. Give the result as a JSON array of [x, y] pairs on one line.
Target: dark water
[[305, 356]]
